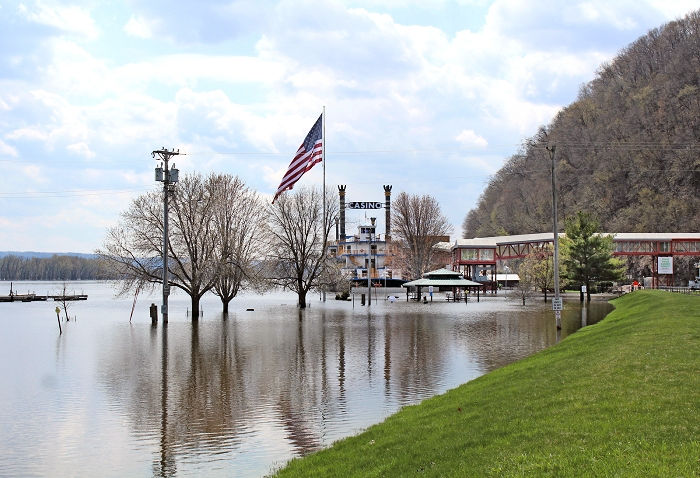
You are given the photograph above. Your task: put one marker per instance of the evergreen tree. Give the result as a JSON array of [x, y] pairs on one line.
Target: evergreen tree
[[588, 255]]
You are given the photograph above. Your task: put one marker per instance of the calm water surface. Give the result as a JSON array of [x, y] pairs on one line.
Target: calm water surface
[[236, 395]]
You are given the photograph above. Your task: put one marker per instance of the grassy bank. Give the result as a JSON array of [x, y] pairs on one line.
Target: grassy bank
[[619, 398]]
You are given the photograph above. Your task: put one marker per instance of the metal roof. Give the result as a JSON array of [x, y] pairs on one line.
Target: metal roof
[[489, 242], [425, 282]]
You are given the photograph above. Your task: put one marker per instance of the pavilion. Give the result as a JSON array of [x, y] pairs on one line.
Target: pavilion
[[441, 279]]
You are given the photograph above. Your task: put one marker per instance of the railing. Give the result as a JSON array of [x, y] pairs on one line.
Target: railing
[[680, 290]]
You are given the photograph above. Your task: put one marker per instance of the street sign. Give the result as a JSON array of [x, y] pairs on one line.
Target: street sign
[[365, 205], [557, 304]]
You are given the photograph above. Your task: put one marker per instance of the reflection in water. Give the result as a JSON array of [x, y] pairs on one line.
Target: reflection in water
[[241, 394], [166, 465], [226, 382]]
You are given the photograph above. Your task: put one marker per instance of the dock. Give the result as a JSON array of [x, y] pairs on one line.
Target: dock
[[41, 298]]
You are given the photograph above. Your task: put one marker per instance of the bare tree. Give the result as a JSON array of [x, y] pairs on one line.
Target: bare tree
[[64, 300], [526, 286], [133, 248], [239, 222], [538, 267], [297, 240], [418, 224]]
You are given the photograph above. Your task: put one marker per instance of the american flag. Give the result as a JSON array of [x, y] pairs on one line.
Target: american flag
[[309, 153]]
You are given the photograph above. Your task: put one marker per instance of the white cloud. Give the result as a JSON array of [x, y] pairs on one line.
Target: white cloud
[[31, 134], [68, 18], [469, 138], [34, 173], [81, 149], [7, 150], [138, 27]]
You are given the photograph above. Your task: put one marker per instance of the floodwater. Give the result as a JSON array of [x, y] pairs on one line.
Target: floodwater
[[237, 395]]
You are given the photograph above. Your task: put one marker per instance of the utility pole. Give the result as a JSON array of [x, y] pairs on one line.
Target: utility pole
[[168, 177], [557, 302]]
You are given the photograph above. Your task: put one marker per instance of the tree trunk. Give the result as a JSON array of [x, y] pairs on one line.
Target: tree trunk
[[195, 308], [545, 295], [302, 300], [225, 303]]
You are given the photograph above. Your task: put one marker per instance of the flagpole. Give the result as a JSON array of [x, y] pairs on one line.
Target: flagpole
[[323, 160]]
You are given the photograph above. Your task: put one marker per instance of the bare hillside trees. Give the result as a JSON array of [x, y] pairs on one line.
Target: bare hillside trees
[[297, 240], [626, 148], [417, 224]]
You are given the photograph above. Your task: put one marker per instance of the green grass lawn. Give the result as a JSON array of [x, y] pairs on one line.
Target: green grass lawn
[[619, 398]]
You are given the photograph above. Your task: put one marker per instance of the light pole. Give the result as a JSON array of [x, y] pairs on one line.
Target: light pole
[[168, 177], [557, 302]]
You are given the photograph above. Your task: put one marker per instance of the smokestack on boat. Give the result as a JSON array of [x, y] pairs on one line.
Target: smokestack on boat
[[387, 206], [341, 191]]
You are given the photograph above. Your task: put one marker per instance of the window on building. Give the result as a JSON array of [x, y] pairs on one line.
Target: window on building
[[469, 254], [486, 254]]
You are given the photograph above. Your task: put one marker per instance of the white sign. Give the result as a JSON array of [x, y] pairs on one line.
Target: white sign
[[583, 289], [557, 303], [430, 289], [365, 205], [665, 265]]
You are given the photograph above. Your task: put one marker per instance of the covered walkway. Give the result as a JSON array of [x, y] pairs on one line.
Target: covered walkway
[[477, 258]]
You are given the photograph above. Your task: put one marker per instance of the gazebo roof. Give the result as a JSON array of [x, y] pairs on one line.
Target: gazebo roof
[[441, 278], [424, 282], [441, 273]]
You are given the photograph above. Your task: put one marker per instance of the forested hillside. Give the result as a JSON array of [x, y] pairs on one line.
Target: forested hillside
[[627, 150]]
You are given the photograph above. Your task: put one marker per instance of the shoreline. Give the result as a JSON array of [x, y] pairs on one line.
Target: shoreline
[[615, 398]]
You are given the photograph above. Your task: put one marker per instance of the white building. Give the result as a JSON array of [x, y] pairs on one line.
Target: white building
[[365, 253]]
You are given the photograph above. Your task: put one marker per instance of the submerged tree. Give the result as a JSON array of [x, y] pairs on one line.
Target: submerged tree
[[238, 224], [417, 224], [298, 236], [539, 268], [64, 300], [588, 255], [133, 248], [525, 287]]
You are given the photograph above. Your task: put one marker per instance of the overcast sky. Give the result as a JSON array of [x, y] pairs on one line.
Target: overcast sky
[[431, 96]]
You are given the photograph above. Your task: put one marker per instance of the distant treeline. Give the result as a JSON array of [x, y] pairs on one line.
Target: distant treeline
[[57, 267]]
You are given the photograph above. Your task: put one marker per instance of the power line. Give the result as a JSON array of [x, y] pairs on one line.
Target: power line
[[66, 193], [451, 179]]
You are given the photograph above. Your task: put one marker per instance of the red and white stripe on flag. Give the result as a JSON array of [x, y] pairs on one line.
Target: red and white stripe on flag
[[309, 153]]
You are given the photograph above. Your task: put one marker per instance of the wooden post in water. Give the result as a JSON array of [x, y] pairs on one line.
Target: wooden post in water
[[58, 318]]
